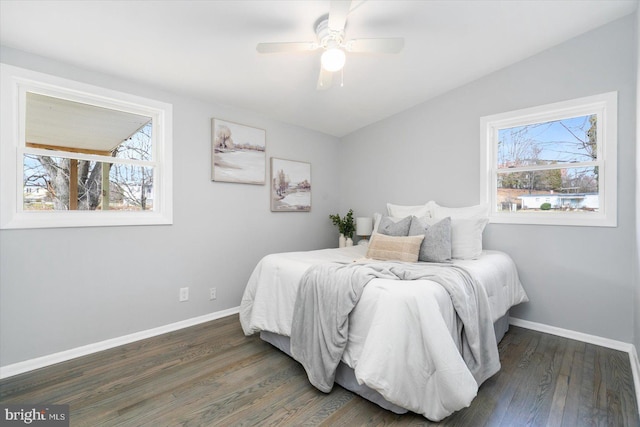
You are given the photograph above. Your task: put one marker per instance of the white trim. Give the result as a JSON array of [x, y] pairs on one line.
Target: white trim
[[635, 369], [14, 82], [606, 107], [567, 333], [63, 356], [82, 156], [591, 339]]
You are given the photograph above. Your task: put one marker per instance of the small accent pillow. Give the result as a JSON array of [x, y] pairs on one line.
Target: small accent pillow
[[377, 217], [401, 211], [436, 246], [394, 248], [394, 227]]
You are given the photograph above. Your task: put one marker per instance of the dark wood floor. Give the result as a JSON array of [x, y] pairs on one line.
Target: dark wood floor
[[211, 374]]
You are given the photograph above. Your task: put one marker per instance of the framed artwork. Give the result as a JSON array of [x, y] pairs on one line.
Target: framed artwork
[[290, 186], [238, 153]]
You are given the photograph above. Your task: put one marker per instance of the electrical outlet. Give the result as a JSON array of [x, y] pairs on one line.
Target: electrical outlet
[[184, 294], [213, 294]]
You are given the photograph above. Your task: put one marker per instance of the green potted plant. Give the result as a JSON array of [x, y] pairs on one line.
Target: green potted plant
[[346, 227]]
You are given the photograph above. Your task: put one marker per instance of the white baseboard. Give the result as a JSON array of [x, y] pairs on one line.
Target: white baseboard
[[578, 336], [41, 362], [591, 339], [635, 368]]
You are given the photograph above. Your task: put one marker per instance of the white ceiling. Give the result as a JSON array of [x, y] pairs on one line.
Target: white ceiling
[[206, 49]]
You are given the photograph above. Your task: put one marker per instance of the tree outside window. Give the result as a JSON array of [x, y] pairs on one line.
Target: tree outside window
[[544, 157], [47, 179]]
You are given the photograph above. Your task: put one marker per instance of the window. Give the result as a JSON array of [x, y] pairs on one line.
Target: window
[[78, 155], [553, 164]]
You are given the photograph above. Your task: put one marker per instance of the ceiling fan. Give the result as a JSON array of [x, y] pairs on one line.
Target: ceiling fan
[[331, 39]]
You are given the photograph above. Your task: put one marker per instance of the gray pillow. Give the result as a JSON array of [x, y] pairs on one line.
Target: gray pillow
[[436, 246], [391, 228]]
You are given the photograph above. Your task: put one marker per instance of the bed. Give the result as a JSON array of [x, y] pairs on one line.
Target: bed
[[405, 340]]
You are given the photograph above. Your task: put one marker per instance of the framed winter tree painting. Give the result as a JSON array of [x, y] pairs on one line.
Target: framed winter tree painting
[[290, 186], [238, 153]]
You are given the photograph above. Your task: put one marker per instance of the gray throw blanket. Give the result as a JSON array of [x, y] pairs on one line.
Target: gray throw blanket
[[329, 292]]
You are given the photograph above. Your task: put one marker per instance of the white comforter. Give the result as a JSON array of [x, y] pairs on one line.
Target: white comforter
[[403, 335]]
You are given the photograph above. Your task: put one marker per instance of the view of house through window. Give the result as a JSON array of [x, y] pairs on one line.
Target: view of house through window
[[100, 159], [549, 166]]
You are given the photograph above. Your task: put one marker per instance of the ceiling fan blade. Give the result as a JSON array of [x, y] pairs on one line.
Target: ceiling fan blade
[[392, 45], [324, 80], [286, 47], [338, 11]]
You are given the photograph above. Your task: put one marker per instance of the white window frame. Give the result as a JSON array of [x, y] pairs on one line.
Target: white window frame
[[606, 107], [15, 82]]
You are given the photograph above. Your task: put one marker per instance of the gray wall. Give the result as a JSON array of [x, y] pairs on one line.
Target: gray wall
[[64, 288], [578, 278]]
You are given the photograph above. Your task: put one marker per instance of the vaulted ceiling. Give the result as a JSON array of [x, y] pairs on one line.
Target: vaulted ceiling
[[207, 49]]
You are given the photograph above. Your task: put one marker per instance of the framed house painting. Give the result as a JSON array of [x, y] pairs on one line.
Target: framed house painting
[[290, 186], [238, 153]]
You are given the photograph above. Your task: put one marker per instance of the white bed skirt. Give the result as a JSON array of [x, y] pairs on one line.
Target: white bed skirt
[[346, 377]]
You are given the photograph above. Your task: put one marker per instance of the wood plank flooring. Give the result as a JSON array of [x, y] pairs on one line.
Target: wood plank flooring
[[212, 375]]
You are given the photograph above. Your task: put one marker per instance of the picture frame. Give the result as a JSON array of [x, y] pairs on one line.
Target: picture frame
[[238, 153], [290, 185]]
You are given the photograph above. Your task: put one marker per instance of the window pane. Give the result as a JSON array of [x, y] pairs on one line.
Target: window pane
[[555, 142], [131, 188], [565, 189], [37, 194], [47, 185]]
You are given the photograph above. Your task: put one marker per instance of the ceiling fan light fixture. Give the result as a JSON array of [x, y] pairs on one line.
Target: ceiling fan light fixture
[[333, 59]]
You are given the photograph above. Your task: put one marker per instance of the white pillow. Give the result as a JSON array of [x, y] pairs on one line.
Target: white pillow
[[467, 226], [466, 237], [401, 211], [431, 207], [465, 212]]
